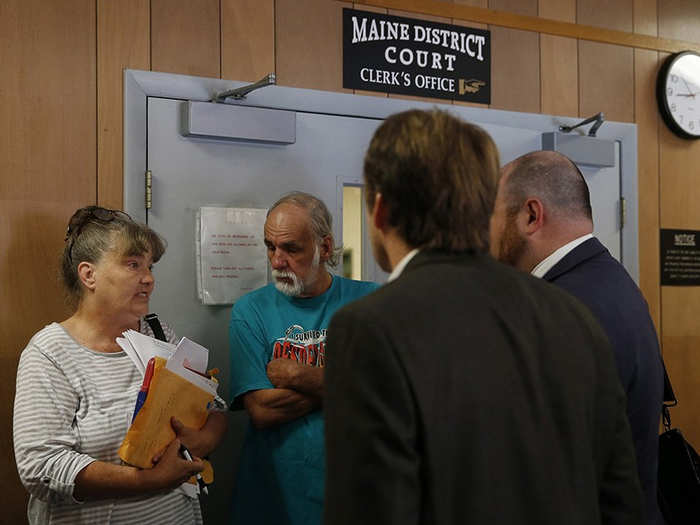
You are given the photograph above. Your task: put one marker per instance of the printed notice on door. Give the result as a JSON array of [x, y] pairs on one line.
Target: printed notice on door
[[680, 257], [231, 259]]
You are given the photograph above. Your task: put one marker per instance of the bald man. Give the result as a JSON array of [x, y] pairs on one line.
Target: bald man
[[542, 224]]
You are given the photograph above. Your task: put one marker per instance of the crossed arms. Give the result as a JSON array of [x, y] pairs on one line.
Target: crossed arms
[[298, 391]]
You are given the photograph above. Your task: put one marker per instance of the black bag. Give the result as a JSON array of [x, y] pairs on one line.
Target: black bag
[[679, 470]]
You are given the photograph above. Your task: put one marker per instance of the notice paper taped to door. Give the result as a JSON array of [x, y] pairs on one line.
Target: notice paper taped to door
[[231, 258]]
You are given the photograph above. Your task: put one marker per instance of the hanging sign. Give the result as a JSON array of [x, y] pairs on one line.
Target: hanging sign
[[393, 54], [231, 254], [680, 257]]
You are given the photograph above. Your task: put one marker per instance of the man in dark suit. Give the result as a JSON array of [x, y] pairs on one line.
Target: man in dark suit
[[542, 224], [464, 391]]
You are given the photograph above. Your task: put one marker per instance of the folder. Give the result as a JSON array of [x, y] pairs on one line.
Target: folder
[[178, 388]]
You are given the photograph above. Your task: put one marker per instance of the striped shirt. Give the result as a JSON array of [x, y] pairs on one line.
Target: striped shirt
[[73, 406]]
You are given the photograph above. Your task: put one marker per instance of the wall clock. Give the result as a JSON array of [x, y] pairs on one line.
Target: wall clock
[[678, 93]]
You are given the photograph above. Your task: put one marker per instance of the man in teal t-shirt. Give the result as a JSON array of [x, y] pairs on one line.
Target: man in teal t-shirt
[[278, 350]]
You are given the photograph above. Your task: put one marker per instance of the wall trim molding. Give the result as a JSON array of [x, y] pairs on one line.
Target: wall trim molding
[[533, 23]]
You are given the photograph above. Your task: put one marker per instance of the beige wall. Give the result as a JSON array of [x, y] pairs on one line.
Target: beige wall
[[61, 110]]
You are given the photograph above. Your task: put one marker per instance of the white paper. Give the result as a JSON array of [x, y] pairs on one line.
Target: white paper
[[192, 355], [231, 253], [132, 353], [140, 348], [187, 354]]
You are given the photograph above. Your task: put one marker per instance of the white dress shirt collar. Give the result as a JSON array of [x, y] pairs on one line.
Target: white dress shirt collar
[[557, 255], [402, 264]]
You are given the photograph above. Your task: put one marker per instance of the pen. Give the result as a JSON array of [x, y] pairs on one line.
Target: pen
[[143, 393], [186, 454]]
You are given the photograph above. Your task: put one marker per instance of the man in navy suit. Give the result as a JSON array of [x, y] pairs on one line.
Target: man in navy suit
[[542, 224]]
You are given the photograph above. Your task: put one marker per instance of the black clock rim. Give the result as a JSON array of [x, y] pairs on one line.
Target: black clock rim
[[661, 99]]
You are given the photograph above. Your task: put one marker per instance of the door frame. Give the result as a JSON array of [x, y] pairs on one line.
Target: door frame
[[140, 85]]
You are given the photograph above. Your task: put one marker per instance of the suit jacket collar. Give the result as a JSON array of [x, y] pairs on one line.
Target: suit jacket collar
[[424, 257], [581, 253]]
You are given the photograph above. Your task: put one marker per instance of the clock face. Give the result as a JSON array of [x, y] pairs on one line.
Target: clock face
[[678, 93]]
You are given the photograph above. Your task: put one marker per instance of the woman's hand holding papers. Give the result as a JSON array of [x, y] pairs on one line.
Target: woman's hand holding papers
[[171, 469]]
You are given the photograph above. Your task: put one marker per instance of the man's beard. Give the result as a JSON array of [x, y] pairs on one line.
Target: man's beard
[[512, 245], [297, 287]]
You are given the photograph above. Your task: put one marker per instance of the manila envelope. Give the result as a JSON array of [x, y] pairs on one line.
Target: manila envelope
[[169, 395]]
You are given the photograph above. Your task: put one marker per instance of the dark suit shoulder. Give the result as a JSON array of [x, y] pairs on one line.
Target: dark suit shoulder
[[469, 284], [604, 286], [593, 275]]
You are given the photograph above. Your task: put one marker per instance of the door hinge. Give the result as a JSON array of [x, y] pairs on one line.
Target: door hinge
[[623, 212], [149, 189]]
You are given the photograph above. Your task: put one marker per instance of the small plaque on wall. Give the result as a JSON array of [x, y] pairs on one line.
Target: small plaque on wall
[[680, 258], [406, 56]]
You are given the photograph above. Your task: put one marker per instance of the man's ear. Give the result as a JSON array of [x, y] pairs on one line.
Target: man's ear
[[86, 274], [531, 217], [379, 214], [325, 248]]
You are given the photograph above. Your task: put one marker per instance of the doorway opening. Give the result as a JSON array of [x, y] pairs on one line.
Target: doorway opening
[[352, 231]]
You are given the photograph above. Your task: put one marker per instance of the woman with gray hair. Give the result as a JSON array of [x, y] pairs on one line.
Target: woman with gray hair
[[76, 389]]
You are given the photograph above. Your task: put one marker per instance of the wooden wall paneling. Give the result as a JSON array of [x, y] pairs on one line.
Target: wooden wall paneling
[[31, 238], [46, 71], [558, 62], [474, 3], [606, 72], [429, 18], [682, 364], [645, 17], [309, 43], [679, 19], [563, 10], [515, 70], [559, 75], [645, 68], [47, 169], [519, 7], [680, 191], [515, 61], [247, 39], [372, 9], [123, 42], [680, 341], [185, 37], [606, 81], [618, 15]]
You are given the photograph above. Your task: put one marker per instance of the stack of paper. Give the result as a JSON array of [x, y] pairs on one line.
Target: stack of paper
[[188, 359], [140, 348]]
